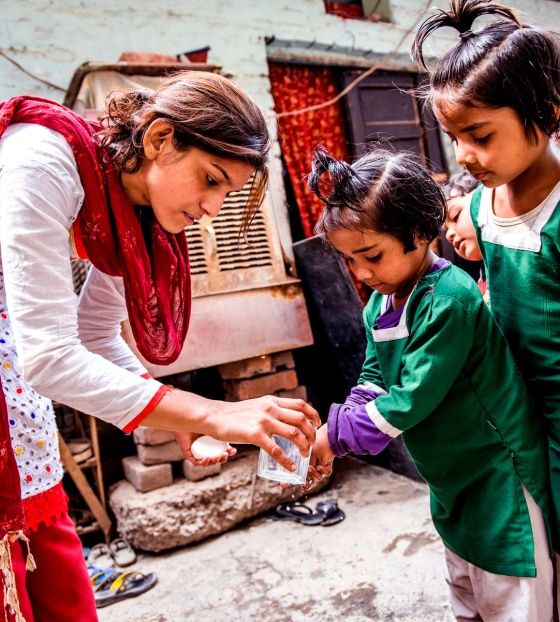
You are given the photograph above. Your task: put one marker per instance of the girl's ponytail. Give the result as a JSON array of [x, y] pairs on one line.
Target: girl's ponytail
[[461, 16], [344, 185]]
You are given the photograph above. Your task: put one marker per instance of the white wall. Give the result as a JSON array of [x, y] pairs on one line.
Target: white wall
[[51, 38]]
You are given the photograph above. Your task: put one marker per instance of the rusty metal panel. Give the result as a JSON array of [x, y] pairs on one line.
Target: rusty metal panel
[[233, 326]]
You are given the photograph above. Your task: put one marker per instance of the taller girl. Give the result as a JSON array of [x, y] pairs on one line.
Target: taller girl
[[496, 94]]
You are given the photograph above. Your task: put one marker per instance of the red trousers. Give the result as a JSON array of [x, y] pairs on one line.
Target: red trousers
[[59, 588]]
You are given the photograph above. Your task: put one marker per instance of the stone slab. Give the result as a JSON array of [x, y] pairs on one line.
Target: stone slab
[[187, 512]]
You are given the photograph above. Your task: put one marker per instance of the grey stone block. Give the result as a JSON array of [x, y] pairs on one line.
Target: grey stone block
[[151, 436], [158, 454], [145, 478], [196, 473]]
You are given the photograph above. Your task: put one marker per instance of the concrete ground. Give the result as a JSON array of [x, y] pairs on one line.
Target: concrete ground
[[383, 562]]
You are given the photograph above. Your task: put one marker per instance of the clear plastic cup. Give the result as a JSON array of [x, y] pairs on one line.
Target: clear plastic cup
[[270, 469]]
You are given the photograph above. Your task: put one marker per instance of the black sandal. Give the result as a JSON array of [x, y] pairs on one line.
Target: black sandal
[[326, 513]]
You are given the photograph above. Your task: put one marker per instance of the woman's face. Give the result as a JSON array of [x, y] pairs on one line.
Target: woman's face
[[181, 187]]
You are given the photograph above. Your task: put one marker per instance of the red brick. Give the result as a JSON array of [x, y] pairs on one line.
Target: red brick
[[246, 368], [145, 478], [299, 393], [283, 360], [261, 385]]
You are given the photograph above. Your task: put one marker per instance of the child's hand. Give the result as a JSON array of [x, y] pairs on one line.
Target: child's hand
[[186, 439], [322, 456]]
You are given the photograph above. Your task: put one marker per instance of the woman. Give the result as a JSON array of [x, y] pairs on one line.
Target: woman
[[121, 196]]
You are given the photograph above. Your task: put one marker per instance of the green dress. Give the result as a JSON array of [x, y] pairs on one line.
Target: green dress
[[457, 397], [523, 272]]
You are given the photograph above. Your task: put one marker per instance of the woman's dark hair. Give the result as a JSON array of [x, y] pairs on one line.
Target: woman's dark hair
[[505, 64], [206, 111], [459, 185], [387, 192]]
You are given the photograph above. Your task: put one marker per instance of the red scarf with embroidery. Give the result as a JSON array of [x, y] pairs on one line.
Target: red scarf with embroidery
[[155, 271]]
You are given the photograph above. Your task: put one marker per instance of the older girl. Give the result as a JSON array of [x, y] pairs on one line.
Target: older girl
[[496, 94]]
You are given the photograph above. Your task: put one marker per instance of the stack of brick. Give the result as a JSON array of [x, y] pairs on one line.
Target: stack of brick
[[152, 467], [271, 374]]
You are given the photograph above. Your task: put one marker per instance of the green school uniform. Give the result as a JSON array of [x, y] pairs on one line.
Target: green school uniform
[[523, 272], [457, 397]]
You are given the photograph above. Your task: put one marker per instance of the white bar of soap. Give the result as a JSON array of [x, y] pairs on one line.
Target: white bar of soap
[[208, 447]]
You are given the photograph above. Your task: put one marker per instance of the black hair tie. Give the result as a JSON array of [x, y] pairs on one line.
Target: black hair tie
[[466, 35]]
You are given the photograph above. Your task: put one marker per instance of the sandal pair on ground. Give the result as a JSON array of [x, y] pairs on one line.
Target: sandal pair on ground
[[117, 553], [326, 513], [110, 585]]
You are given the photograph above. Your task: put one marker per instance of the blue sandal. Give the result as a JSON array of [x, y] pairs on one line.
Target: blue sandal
[[123, 585]]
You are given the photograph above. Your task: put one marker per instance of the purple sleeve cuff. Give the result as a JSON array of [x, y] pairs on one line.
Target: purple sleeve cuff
[[350, 430], [360, 395]]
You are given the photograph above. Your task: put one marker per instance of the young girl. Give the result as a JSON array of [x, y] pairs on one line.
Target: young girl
[[496, 94], [68, 187], [464, 416], [458, 226]]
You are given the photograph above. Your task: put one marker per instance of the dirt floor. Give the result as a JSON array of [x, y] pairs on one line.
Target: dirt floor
[[383, 562]]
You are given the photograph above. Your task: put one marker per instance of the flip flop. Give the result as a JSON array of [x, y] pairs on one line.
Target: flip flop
[[121, 551], [100, 578], [296, 512], [331, 512], [100, 556], [125, 585]]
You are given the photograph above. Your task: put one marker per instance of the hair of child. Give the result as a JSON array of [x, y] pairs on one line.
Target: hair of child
[[384, 191], [207, 111], [505, 64], [459, 185]]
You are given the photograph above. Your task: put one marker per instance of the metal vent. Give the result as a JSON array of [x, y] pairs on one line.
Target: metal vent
[[197, 259], [216, 246]]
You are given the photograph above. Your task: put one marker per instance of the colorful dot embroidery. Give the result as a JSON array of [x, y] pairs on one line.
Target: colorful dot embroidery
[[19, 390], [28, 478], [48, 469], [7, 365], [19, 451], [40, 443], [3, 316]]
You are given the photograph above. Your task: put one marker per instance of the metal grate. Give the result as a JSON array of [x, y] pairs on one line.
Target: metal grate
[[215, 245]]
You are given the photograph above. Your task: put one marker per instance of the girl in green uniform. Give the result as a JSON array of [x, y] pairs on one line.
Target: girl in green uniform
[[438, 371], [496, 94]]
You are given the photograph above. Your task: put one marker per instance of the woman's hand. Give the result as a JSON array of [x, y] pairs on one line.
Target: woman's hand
[[257, 420], [186, 439], [253, 421]]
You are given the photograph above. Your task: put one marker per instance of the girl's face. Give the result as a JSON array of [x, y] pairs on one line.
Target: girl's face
[[491, 143], [181, 187], [379, 260], [459, 228]]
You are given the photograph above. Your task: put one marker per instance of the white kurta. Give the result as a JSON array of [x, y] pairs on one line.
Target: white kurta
[[70, 353]]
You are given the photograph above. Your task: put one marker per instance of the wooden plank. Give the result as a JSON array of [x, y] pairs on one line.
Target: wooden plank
[[75, 472]]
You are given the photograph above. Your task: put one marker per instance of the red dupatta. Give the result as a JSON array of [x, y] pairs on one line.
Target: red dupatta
[[155, 271]]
